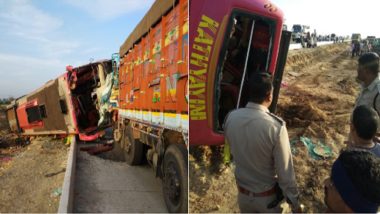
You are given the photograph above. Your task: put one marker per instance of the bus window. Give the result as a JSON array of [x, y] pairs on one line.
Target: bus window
[[246, 50]]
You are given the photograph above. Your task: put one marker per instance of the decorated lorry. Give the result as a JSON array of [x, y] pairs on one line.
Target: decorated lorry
[[152, 113]]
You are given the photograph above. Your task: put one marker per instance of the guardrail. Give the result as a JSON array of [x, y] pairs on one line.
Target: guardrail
[[67, 196]]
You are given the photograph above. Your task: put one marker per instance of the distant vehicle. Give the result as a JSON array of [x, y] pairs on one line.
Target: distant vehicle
[[371, 39], [284, 27], [303, 34], [298, 33], [356, 37], [376, 45]]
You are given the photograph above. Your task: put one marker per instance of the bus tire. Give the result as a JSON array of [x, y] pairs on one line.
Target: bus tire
[[175, 180], [133, 149]]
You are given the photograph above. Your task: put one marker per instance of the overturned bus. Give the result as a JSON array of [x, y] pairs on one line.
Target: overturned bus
[[69, 104], [228, 43]]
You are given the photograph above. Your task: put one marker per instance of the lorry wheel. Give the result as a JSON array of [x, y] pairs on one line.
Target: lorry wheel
[[175, 186], [133, 148]]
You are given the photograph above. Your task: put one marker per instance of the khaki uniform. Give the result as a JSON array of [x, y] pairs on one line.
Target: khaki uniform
[[368, 94], [261, 151]]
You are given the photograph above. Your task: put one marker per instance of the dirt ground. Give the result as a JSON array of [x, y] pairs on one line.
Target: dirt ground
[[317, 97], [31, 174]]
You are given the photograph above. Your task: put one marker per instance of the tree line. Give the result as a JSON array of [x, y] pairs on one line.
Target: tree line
[[4, 101]]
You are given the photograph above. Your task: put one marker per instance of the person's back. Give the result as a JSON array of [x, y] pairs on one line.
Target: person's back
[[357, 47], [354, 183], [259, 161], [261, 151], [375, 150], [368, 76], [363, 128]]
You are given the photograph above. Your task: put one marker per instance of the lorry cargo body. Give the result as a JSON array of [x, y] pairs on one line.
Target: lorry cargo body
[[152, 107], [153, 71]]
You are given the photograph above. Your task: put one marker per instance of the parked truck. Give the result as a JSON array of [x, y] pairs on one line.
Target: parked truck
[[376, 45], [371, 39], [152, 113], [305, 35], [228, 43], [355, 38], [298, 33]]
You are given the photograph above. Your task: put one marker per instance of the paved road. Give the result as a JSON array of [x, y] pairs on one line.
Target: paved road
[[298, 45], [109, 187]]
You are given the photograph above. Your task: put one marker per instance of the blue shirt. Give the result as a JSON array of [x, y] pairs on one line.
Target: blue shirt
[[376, 149]]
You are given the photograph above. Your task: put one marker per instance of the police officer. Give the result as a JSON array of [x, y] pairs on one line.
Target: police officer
[[368, 76], [260, 148]]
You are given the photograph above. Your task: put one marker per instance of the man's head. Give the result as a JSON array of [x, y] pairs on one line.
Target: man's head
[[368, 67], [354, 184], [364, 123], [260, 88]]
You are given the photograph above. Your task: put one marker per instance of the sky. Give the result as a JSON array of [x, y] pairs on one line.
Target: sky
[[39, 38], [341, 17]]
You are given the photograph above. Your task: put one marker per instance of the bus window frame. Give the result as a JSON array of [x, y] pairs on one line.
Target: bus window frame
[[223, 51]]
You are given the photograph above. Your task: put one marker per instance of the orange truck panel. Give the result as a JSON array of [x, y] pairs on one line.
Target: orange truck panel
[[153, 72]]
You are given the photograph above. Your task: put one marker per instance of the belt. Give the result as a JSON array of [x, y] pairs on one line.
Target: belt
[[254, 194]]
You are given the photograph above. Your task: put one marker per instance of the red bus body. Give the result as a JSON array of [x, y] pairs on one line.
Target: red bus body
[[63, 106], [208, 28]]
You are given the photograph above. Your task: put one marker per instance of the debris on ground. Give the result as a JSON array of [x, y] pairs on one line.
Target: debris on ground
[[33, 169], [57, 192], [97, 149], [317, 151]]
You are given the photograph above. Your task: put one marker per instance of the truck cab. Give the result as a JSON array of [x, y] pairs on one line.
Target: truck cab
[[371, 39], [298, 33], [356, 37], [305, 35]]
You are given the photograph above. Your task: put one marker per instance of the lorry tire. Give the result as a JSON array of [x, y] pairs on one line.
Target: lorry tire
[[175, 181], [133, 148]]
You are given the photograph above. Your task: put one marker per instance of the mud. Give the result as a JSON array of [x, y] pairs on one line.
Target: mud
[[31, 172]]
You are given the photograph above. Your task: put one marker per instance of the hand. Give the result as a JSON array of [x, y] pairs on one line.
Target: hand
[[347, 143], [298, 209]]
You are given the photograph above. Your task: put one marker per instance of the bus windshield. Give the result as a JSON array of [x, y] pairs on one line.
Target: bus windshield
[[247, 49]]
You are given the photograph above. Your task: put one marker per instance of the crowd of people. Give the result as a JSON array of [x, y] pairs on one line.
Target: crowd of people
[[359, 48], [261, 151]]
